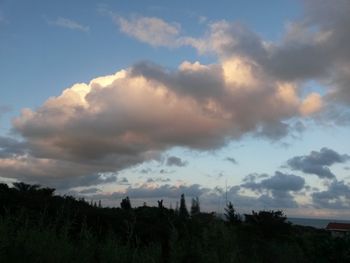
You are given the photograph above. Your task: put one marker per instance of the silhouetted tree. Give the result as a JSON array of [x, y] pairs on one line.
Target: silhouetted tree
[[23, 187], [183, 212], [125, 203], [271, 223], [195, 209], [266, 217], [231, 215], [4, 187], [46, 192]]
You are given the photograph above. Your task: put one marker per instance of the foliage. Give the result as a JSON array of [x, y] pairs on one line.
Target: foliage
[[230, 214], [125, 203], [195, 209], [38, 226], [183, 212]]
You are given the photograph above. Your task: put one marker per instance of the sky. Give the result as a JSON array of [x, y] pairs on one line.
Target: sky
[[241, 101]]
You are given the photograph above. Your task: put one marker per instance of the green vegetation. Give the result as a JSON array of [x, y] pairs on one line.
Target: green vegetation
[[37, 226]]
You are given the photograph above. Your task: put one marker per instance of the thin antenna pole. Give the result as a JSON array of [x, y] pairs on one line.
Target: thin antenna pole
[[226, 192]]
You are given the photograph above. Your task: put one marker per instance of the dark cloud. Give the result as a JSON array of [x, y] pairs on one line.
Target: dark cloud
[[317, 162], [336, 196], [175, 161], [276, 190], [158, 180], [199, 81], [279, 182], [278, 199], [90, 191], [10, 147], [164, 171], [231, 160], [275, 130]]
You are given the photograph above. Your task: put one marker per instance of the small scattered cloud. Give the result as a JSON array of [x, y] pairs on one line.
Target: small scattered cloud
[[5, 109], [202, 19], [70, 24], [175, 161], [231, 160], [164, 171], [151, 30], [89, 191], [158, 180], [123, 181], [146, 170], [318, 162]]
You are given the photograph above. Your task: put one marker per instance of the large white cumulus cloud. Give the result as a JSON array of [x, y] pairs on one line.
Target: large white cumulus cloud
[[120, 120]]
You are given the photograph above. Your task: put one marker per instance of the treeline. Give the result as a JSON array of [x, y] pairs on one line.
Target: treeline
[[38, 226]]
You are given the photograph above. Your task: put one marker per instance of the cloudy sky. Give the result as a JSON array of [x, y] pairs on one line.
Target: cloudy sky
[[152, 99]]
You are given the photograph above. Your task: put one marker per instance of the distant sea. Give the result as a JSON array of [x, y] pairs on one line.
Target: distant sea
[[317, 223]]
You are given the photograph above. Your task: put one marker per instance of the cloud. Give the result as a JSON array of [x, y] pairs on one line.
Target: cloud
[[10, 147], [336, 196], [276, 190], [317, 162], [314, 47], [4, 109], [158, 180], [167, 190], [89, 191], [70, 24], [278, 193], [164, 171], [123, 181], [120, 120], [231, 160], [66, 183], [175, 161], [210, 197], [278, 182], [151, 30], [117, 121]]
